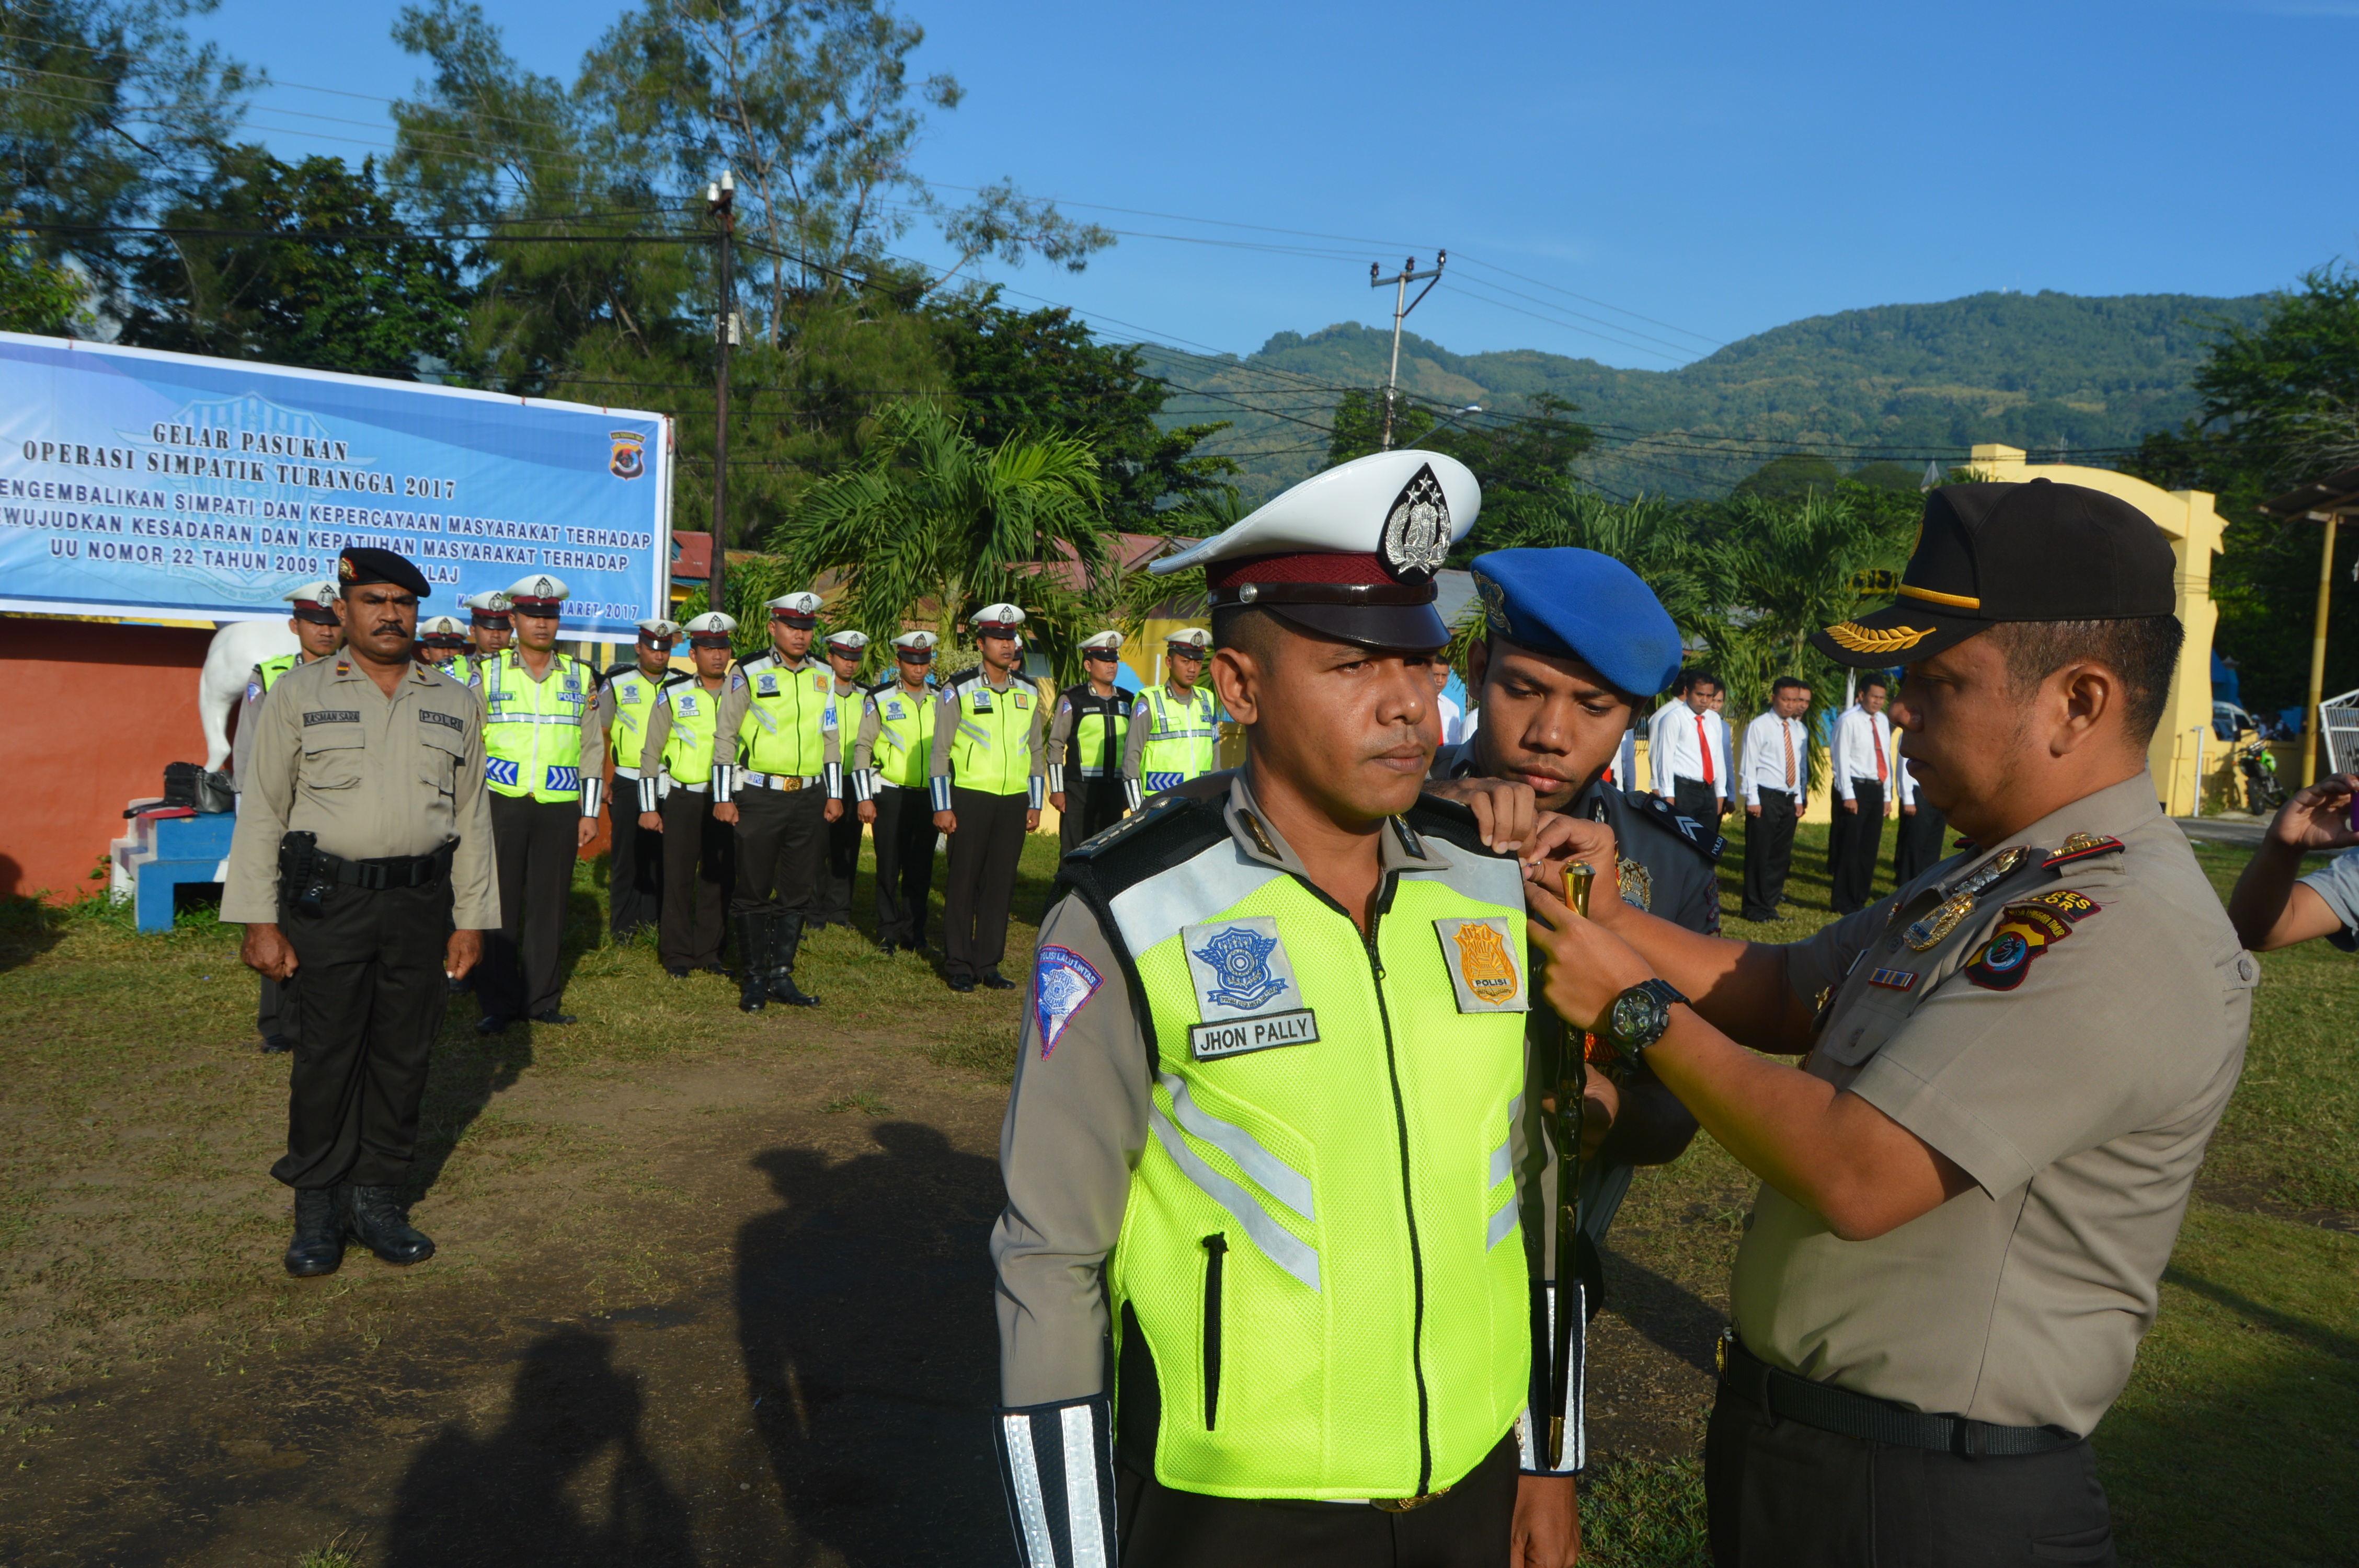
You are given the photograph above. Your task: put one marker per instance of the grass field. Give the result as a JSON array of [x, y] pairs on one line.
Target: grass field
[[138, 1237]]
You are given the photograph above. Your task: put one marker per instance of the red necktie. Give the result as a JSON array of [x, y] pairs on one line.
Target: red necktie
[[1704, 746], [1876, 736], [1785, 728]]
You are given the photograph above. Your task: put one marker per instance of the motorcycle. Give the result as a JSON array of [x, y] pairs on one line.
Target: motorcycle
[[2258, 766]]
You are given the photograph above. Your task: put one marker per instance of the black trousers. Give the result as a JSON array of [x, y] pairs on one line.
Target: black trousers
[[535, 844], [1768, 854], [1854, 843], [781, 851], [1467, 1527], [834, 904], [634, 870], [905, 863], [1780, 1494], [701, 855], [370, 996], [983, 855], [1697, 799], [275, 1014], [1917, 843], [1091, 805]]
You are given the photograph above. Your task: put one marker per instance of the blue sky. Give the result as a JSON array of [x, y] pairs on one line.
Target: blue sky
[[1632, 183]]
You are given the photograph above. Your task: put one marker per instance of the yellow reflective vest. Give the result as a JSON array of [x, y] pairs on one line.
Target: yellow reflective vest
[[532, 729]]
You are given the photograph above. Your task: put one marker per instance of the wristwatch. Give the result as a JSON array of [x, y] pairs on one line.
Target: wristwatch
[[1639, 1015]]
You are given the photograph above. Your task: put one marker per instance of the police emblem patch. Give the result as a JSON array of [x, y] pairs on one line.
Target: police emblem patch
[[1416, 528], [1240, 968], [768, 686], [1062, 983], [2025, 931], [1481, 957]]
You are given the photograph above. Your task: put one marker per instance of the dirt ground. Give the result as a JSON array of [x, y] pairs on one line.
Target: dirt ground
[[710, 1290]]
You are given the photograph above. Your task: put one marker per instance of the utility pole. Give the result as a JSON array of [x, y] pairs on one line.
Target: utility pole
[[1402, 305], [721, 205]]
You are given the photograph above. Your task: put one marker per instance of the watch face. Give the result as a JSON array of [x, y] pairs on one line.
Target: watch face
[[1631, 1014]]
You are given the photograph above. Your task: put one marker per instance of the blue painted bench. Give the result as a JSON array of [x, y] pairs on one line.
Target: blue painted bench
[[160, 853]]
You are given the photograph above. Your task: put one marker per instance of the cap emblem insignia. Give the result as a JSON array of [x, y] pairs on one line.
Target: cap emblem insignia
[[543, 586], [344, 567], [1859, 639], [1416, 529]]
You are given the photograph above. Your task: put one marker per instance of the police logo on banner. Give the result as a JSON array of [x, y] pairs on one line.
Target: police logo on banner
[[1246, 992], [1062, 983]]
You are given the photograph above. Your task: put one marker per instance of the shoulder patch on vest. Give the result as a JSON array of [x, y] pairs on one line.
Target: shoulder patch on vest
[[1159, 814], [1062, 983], [1481, 957]]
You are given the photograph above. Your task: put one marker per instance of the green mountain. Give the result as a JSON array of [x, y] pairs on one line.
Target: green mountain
[[2047, 372]]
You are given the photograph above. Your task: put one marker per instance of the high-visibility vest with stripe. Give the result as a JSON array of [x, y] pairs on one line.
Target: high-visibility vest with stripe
[[904, 735], [989, 750], [276, 665], [634, 698], [1322, 1241], [1100, 725], [532, 729], [695, 725], [1183, 742], [788, 723]]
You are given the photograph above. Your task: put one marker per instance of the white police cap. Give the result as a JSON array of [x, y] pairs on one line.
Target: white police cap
[[657, 626], [1193, 638], [1350, 553], [491, 605], [539, 591], [1106, 640], [996, 620], [794, 607], [710, 629], [852, 641], [446, 627], [917, 642], [322, 594]]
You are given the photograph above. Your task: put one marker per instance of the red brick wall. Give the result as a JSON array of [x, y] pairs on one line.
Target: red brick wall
[[98, 710]]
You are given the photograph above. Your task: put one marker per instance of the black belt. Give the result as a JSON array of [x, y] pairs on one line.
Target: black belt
[[391, 870], [1784, 1397]]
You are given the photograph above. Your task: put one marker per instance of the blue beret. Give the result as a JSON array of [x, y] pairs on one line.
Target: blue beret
[[1583, 604]]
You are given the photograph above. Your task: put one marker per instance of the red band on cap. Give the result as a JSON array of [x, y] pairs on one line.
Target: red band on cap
[[1363, 570]]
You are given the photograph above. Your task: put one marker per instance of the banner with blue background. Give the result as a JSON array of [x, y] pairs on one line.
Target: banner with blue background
[[170, 486]]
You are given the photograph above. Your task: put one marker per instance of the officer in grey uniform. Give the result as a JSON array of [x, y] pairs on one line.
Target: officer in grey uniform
[[1573, 645], [365, 836], [1230, 1148], [2010, 1068], [634, 879], [831, 906]]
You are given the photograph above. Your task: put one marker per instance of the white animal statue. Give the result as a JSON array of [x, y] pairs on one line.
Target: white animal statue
[[236, 648]]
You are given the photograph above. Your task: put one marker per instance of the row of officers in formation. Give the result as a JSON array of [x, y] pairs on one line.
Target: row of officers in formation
[[1334, 1068], [758, 835]]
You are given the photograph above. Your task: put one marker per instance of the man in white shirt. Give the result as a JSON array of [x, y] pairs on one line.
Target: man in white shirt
[[1452, 717], [1917, 839], [1777, 773], [1688, 750], [1863, 779]]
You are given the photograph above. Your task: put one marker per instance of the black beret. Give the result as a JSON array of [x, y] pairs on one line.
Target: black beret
[[359, 565]]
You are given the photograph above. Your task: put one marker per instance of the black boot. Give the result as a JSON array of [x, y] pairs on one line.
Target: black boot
[[372, 1216], [319, 1244], [753, 959], [787, 936]]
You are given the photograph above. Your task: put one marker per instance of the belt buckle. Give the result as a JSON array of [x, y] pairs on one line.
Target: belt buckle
[[1407, 1505], [788, 781]]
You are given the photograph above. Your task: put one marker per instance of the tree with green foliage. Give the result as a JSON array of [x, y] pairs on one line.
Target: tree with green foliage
[[1790, 476], [301, 264], [933, 525], [37, 294], [1524, 463], [2280, 407]]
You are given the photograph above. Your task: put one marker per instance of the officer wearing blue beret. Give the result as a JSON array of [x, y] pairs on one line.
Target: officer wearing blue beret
[[1574, 647]]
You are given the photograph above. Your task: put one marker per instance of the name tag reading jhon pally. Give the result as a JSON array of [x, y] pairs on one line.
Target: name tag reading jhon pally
[[1207, 1041]]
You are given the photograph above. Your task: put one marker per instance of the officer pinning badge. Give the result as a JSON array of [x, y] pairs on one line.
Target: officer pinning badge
[[2080, 847], [1417, 527], [2025, 931], [1481, 957], [1240, 968], [1062, 983]]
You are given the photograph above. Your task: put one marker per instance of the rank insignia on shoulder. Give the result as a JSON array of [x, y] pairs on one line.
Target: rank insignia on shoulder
[[2025, 931], [2075, 907], [1062, 983], [2080, 847], [1410, 842], [1893, 979], [1482, 962]]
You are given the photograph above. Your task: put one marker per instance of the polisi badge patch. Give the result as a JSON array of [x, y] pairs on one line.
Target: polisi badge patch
[[1485, 968]]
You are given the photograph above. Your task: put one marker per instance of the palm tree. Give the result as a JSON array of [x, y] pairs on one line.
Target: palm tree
[[934, 525]]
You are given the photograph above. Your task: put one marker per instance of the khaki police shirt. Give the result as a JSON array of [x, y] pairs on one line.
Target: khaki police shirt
[[373, 776], [2074, 1068]]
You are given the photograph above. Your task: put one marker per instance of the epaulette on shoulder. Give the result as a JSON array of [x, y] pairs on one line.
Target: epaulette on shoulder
[[2080, 847], [674, 678], [1165, 832], [1448, 820], [1706, 841]]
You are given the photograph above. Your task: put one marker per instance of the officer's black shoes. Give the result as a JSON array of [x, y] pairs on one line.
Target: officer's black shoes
[[994, 980], [460, 985], [677, 971], [553, 1016], [888, 948], [783, 989], [961, 983], [372, 1216], [753, 961], [493, 1023], [319, 1244], [753, 991], [712, 969], [276, 1045], [785, 934]]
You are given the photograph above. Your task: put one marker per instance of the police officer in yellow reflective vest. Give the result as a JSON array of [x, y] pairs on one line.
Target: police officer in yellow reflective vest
[[890, 761], [490, 629], [1266, 1130], [1087, 738], [1175, 734], [986, 776], [846, 650], [676, 790], [545, 761], [779, 723], [625, 698], [319, 631]]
